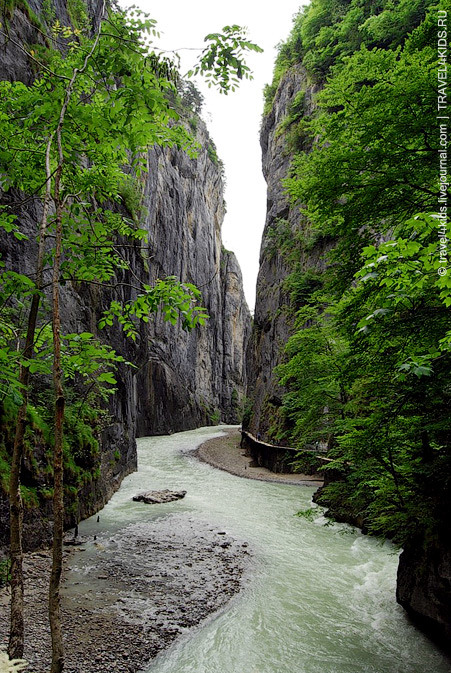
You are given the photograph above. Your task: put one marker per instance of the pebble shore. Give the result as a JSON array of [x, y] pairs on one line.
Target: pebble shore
[[128, 596], [131, 596], [226, 454]]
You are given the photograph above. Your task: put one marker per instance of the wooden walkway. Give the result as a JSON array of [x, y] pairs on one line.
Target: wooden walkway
[[275, 457], [308, 449]]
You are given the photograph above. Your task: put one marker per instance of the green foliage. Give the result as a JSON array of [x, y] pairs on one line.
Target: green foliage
[[367, 369], [78, 14], [191, 98], [308, 462], [302, 285], [105, 133], [84, 419], [295, 112], [131, 193], [215, 416], [279, 239], [7, 12], [222, 62], [317, 397], [175, 301], [212, 414], [5, 572], [294, 126], [247, 413], [373, 137], [82, 443], [48, 12], [29, 497], [76, 140], [309, 514], [212, 153], [15, 292], [327, 31]]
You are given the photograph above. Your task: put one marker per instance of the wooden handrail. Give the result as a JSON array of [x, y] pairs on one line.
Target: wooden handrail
[[250, 436]]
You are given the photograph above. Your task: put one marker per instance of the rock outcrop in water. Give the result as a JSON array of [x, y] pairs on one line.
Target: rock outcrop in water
[[159, 497], [182, 380], [423, 586]]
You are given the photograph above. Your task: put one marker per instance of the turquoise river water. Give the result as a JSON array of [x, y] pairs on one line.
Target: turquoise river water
[[319, 598]]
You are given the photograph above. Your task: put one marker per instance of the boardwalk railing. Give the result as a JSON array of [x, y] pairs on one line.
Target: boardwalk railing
[[275, 457]]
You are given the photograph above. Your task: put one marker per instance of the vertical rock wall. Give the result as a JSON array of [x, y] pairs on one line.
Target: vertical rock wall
[[182, 380], [186, 380], [423, 585], [272, 322]]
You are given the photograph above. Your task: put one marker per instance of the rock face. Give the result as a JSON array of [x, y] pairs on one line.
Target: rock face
[[182, 380], [272, 326], [188, 380], [423, 586]]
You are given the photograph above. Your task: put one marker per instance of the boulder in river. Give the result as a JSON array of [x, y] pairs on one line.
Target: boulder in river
[[158, 497]]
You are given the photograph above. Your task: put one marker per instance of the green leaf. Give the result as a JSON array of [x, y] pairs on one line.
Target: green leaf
[[106, 377]]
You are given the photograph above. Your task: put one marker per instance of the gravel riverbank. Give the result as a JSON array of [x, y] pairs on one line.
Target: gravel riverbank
[[226, 454], [127, 597]]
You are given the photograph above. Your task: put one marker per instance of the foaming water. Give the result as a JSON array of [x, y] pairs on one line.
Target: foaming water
[[320, 599]]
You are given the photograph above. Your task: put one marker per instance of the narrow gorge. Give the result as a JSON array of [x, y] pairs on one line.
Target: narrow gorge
[[111, 210], [178, 380]]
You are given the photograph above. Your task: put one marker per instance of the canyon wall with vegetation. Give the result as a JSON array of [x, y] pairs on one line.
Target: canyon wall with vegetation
[[350, 346], [177, 379], [280, 256]]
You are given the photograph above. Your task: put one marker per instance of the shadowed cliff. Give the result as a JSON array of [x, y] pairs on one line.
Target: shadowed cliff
[[180, 380]]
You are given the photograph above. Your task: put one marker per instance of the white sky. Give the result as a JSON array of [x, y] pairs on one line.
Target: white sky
[[233, 120]]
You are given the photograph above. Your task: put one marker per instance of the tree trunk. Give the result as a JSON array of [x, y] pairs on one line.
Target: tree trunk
[[58, 487], [58, 494], [58, 531], [16, 637]]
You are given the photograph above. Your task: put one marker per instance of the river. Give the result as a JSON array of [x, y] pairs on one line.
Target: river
[[320, 598]]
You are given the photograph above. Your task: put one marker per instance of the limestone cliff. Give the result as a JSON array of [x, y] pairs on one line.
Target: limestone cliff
[[182, 380], [187, 380], [272, 321]]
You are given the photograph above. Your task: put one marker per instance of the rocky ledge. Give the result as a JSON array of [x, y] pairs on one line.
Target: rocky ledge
[[128, 596]]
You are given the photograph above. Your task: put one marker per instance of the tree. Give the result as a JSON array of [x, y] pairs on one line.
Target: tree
[[395, 438], [374, 158], [317, 398], [383, 310], [326, 32], [222, 61], [91, 114]]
